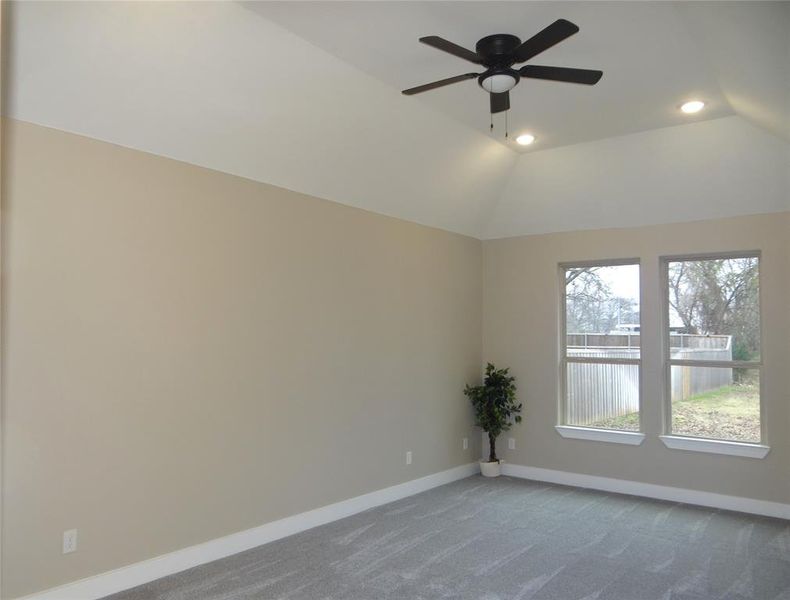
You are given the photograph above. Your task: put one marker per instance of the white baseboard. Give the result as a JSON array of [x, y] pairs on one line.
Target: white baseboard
[[649, 490], [104, 584], [130, 576]]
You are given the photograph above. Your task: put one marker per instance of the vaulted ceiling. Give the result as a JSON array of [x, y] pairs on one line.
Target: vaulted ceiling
[[306, 96], [651, 61]]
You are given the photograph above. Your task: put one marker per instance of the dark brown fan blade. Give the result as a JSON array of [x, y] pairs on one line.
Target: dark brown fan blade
[[553, 34], [585, 76], [449, 47], [500, 102], [437, 84]]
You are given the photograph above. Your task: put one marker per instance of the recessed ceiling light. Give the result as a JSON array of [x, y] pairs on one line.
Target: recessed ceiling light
[[525, 139], [692, 106]]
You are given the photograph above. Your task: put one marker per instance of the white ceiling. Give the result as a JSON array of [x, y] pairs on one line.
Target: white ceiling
[[213, 84], [748, 44], [712, 169], [229, 86], [650, 57]]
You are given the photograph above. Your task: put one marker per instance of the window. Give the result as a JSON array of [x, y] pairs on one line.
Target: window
[[600, 348], [712, 342]]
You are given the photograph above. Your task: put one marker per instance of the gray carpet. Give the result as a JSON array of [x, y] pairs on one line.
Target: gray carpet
[[507, 539]]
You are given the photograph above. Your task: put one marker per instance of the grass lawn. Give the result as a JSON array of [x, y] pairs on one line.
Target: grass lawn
[[731, 413]]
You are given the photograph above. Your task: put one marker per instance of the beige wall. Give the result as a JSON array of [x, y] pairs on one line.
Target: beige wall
[[520, 330], [190, 354]]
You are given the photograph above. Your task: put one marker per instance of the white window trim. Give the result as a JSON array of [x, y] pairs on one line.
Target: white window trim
[[631, 438], [678, 442], [694, 444], [588, 433]]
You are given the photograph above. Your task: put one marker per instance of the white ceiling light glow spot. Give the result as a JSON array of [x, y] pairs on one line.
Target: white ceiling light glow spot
[[496, 84], [525, 139], [692, 106]]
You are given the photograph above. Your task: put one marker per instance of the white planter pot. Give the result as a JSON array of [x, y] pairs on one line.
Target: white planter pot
[[490, 469]]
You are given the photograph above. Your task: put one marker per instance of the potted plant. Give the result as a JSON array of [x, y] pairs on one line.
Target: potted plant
[[496, 410]]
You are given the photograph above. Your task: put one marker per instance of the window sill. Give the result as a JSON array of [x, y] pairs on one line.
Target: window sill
[[631, 438], [677, 442]]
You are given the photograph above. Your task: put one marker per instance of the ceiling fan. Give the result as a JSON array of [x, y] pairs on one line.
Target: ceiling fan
[[499, 52]]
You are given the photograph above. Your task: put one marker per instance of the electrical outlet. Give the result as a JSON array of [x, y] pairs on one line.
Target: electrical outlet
[[466, 443], [408, 457], [69, 541], [511, 443]]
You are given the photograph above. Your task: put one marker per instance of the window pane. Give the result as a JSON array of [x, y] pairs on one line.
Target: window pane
[[603, 396], [715, 402], [714, 309], [602, 311]]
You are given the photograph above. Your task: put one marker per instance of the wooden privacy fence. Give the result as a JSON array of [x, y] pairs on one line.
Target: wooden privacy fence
[[600, 391], [690, 381], [597, 391], [632, 340]]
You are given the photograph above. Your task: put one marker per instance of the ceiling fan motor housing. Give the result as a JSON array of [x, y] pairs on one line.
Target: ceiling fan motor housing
[[498, 49]]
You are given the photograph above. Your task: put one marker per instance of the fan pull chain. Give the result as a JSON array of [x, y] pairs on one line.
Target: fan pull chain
[[491, 125]]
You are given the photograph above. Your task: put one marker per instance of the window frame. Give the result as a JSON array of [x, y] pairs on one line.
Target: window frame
[[565, 429], [695, 443]]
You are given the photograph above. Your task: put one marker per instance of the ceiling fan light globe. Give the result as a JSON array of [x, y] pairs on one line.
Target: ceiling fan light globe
[[498, 83]]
